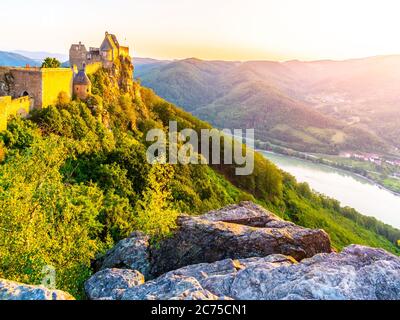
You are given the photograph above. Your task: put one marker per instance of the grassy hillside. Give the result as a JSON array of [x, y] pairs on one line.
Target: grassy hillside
[[304, 106], [74, 180]]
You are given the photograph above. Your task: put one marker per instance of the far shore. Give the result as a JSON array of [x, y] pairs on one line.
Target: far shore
[[376, 183]]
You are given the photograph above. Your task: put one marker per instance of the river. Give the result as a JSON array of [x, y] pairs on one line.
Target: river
[[350, 189]]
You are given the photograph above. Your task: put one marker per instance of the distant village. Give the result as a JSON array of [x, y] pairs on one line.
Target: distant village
[[368, 157]]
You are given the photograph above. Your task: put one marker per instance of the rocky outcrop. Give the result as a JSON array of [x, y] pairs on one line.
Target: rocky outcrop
[[356, 273], [130, 253], [247, 253], [235, 232], [10, 290], [211, 281], [109, 284]]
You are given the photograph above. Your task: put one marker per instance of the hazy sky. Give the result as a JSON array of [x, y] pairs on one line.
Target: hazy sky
[[208, 29]]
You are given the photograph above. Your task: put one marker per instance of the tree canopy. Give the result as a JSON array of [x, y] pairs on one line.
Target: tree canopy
[[51, 63]]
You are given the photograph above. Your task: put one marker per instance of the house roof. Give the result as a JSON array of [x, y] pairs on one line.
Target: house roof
[[110, 42], [81, 78]]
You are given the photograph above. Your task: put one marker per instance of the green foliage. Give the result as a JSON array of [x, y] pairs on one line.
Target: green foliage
[[43, 221], [154, 213], [20, 134], [74, 180], [51, 63], [63, 99]]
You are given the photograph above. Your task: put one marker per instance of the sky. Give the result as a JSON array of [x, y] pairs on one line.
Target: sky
[[208, 29]]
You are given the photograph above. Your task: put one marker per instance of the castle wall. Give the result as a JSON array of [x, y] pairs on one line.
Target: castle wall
[[77, 55], [12, 107], [55, 81], [4, 101], [93, 67], [107, 54], [5, 81], [27, 81]]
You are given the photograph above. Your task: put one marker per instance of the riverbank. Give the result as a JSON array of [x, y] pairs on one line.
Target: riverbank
[[349, 189], [316, 160], [360, 170]]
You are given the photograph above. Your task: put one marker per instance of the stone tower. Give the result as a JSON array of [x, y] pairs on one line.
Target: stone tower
[[82, 85]]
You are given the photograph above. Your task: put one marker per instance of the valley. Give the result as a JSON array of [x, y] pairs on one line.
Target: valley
[[321, 107], [338, 113]]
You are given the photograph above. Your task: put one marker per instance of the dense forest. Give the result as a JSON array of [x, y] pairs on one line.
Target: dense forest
[[74, 180]]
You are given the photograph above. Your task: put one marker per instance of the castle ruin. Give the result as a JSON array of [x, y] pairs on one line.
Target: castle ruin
[[24, 89], [108, 52]]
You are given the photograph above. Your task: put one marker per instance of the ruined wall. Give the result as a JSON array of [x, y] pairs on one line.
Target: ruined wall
[[55, 81], [12, 107], [42, 85], [27, 81], [77, 55], [6, 81]]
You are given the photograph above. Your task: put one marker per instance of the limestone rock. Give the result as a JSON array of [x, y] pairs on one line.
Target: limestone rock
[[10, 290], [357, 273], [131, 253], [188, 283], [110, 284], [171, 287], [236, 232]]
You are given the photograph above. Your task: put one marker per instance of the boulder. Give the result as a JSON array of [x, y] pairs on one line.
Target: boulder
[[235, 232], [357, 273], [130, 253], [188, 283], [11, 290], [110, 284], [171, 287]]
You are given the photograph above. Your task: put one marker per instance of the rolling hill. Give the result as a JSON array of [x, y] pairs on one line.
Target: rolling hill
[[15, 60], [321, 106], [39, 56]]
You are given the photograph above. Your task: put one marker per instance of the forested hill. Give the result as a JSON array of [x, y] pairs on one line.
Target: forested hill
[[74, 180], [320, 106], [15, 60]]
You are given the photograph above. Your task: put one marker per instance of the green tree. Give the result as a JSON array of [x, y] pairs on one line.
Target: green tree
[[44, 221], [51, 63], [154, 213]]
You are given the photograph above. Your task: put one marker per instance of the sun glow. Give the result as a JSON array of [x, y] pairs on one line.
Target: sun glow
[[224, 29]]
